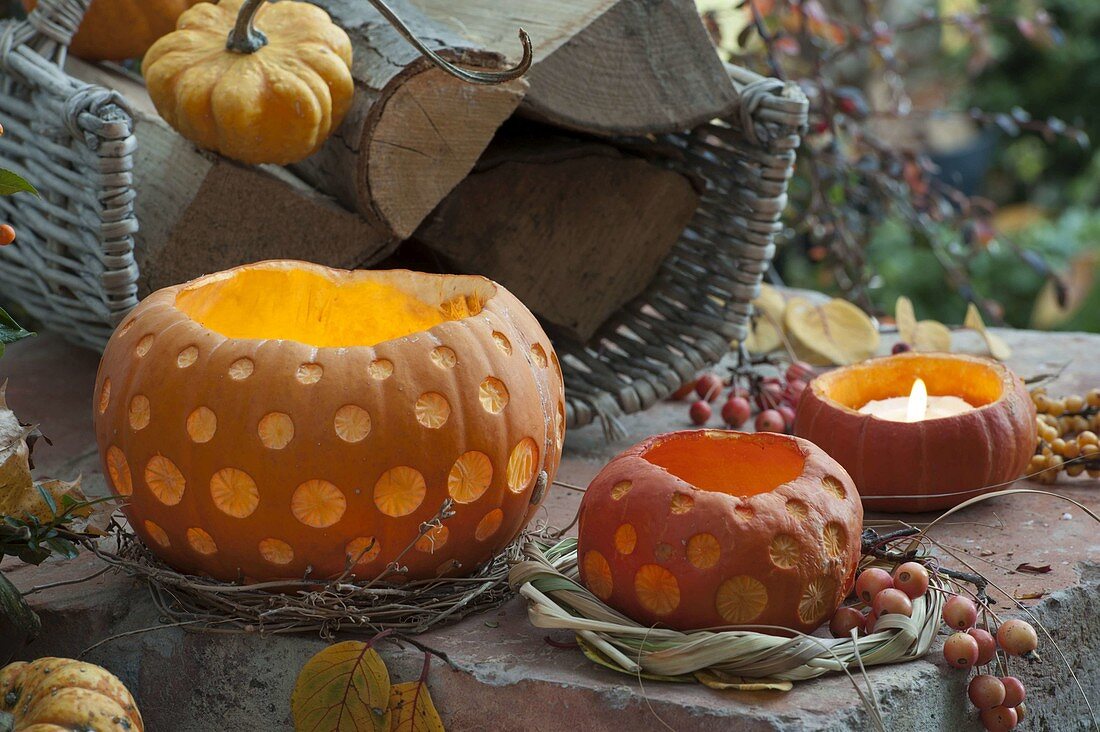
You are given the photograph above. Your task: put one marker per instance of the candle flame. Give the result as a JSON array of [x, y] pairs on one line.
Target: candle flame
[[918, 402]]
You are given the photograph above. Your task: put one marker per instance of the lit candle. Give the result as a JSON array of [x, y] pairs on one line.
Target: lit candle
[[916, 407]]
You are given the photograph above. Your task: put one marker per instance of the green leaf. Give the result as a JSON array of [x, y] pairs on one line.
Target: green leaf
[[16, 614], [10, 183], [10, 331], [47, 497]]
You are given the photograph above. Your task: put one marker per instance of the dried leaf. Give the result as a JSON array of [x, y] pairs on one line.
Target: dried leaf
[[767, 322], [1030, 595], [1033, 568], [721, 680], [17, 491], [924, 336], [344, 688], [411, 707], [1050, 310], [998, 349], [835, 333]]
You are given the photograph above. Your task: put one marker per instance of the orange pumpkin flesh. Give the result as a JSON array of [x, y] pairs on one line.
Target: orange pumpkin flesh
[[284, 418], [963, 454], [711, 528], [116, 30]]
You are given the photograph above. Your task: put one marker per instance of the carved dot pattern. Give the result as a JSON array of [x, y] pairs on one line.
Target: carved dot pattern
[[703, 551], [538, 355], [157, 534], [352, 423], [560, 425], [241, 369], [276, 430], [318, 503], [165, 480], [681, 503], [119, 472], [620, 489], [433, 540], [741, 599], [521, 465], [657, 589], [444, 357], [597, 575], [834, 539], [797, 509], [276, 551], [399, 491], [105, 396], [125, 327], [363, 550], [234, 492], [834, 486], [202, 424], [201, 541], [502, 342], [432, 410], [470, 477], [140, 412], [187, 357], [817, 599], [626, 538], [144, 345], [493, 395], [489, 524], [381, 369], [309, 373], [784, 551]]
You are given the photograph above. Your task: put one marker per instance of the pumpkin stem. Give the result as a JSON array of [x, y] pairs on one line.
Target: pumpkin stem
[[474, 77], [245, 37]]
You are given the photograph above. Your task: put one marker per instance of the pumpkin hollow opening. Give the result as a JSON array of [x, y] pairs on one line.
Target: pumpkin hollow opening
[[729, 462], [329, 308], [974, 381]]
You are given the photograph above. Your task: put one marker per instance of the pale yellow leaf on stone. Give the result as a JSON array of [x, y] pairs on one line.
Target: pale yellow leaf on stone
[[834, 333], [998, 349]]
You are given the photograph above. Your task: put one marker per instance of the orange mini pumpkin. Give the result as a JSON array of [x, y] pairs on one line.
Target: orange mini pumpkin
[[116, 30], [950, 459], [710, 528], [284, 418]]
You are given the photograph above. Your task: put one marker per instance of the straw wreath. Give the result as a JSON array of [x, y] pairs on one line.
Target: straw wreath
[[741, 657]]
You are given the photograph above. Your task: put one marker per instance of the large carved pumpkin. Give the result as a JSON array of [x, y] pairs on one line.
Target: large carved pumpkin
[[57, 694], [115, 30], [284, 418], [909, 466], [710, 528], [271, 94]]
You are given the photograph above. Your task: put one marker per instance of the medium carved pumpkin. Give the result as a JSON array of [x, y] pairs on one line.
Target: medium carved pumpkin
[[895, 464], [58, 694], [710, 528], [272, 94], [115, 30], [284, 418]]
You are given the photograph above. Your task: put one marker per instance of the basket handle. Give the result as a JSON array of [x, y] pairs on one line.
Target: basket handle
[[57, 20]]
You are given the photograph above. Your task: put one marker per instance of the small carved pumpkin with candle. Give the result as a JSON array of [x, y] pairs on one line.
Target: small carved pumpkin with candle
[[921, 432], [283, 419], [711, 528]]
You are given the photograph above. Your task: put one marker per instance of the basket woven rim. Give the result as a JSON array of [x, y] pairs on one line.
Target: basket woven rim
[[548, 580]]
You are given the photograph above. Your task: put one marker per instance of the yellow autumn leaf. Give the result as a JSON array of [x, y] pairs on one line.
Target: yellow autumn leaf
[[998, 349], [724, 681], [344, 688], [766, 334], [834, 333], [1079, 280], [925, 335], [411, 707]]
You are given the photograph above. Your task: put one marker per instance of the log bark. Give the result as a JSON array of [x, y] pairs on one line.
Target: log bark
[[573, 228], [201, 213], [606, 67], [413, 131]]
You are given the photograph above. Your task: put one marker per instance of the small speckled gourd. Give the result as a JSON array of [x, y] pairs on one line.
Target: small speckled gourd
[[272, 93], [284, 418], [63, 695], [711, 528]]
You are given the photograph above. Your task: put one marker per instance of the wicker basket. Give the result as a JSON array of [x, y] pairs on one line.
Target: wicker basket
[[73, 269]]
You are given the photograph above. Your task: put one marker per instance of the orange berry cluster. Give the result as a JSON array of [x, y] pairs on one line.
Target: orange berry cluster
[[1067, 436]]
